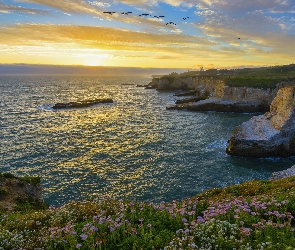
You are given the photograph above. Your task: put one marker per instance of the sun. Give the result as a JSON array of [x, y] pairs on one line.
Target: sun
[[94, 59], [92, 62]]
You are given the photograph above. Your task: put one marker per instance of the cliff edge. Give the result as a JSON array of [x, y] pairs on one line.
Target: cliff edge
[[19, 191], [271, 134]]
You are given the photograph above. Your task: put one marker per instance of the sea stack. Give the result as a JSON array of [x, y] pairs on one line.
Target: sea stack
[[271, 134]]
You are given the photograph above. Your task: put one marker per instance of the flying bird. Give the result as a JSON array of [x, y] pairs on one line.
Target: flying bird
[[109, 12], [185, 18], [126, 13], [144, 14], [171, 23]]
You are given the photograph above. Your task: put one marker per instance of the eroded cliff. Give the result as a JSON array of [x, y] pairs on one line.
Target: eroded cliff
[[271, 134], [218, 96]]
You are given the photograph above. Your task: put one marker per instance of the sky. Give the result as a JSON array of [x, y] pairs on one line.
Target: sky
[[171, 33]]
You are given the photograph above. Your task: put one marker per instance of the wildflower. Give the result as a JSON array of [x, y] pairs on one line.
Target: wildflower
[[141, 219], [84, 236], [149, 225], [93, 229], [245, 230], [78, 245]]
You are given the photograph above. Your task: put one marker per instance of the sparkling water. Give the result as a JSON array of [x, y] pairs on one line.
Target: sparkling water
[[131, 149]]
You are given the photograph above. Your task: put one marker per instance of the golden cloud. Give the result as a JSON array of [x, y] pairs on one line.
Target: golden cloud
[[95, 37]]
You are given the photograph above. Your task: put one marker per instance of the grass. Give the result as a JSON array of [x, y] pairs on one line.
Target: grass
[[252, 215], [29, 179], [264, 82], [264, 77]]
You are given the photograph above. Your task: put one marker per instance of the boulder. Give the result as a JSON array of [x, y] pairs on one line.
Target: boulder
[[271, 134]]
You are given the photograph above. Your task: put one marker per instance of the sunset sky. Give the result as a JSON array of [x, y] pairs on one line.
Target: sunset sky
[[208, 33]]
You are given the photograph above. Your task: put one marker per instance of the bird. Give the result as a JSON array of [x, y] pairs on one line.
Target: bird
[[126, 13], [239, 38], [185, 18], [109, 12]]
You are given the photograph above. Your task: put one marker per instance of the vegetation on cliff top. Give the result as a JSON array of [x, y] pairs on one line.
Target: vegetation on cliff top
[[253, 215], [30, 179], [264, 82], [264, 77]]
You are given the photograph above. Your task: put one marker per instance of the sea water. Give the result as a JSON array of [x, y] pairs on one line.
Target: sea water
[[131, 149]]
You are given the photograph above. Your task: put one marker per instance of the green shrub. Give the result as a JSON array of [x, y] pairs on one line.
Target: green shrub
[[3, 191], [31, 179], [8, 175]]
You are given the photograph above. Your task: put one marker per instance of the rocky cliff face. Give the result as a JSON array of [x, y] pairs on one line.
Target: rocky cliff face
[[271, 134], [220, 97], [248, 94], [203, 84], [13, 189]]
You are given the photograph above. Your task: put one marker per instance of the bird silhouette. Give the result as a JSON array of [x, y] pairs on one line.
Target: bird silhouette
[[109, 12], [185, 18], [171, 23]]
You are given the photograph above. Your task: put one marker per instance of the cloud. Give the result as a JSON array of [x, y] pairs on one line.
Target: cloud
[[10, 8], [69, 6], [100, 37], [211, 33]]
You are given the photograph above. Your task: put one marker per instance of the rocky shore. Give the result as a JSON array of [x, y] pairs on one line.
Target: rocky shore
[[271, 134], [283, 174]]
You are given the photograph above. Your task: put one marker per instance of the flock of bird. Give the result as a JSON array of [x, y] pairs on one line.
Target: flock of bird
[[147, 15], [143, 15]]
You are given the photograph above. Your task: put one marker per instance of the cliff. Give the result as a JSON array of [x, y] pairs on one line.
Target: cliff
[[17, 191], [271, 134], [213, 94]]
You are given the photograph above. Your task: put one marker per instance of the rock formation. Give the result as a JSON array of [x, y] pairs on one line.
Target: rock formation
[[283, 174], [14, 189], [271, 134], [81, 104]]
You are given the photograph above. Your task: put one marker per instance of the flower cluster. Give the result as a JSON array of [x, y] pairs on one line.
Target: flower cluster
[[258, 222]]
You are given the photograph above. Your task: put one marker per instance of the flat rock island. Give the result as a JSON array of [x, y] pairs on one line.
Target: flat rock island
[[81, 104]]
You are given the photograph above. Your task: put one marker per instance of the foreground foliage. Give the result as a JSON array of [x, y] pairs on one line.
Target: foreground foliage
[[253, 215]]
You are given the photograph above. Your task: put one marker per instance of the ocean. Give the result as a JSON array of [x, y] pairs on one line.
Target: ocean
[[131, 149]]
